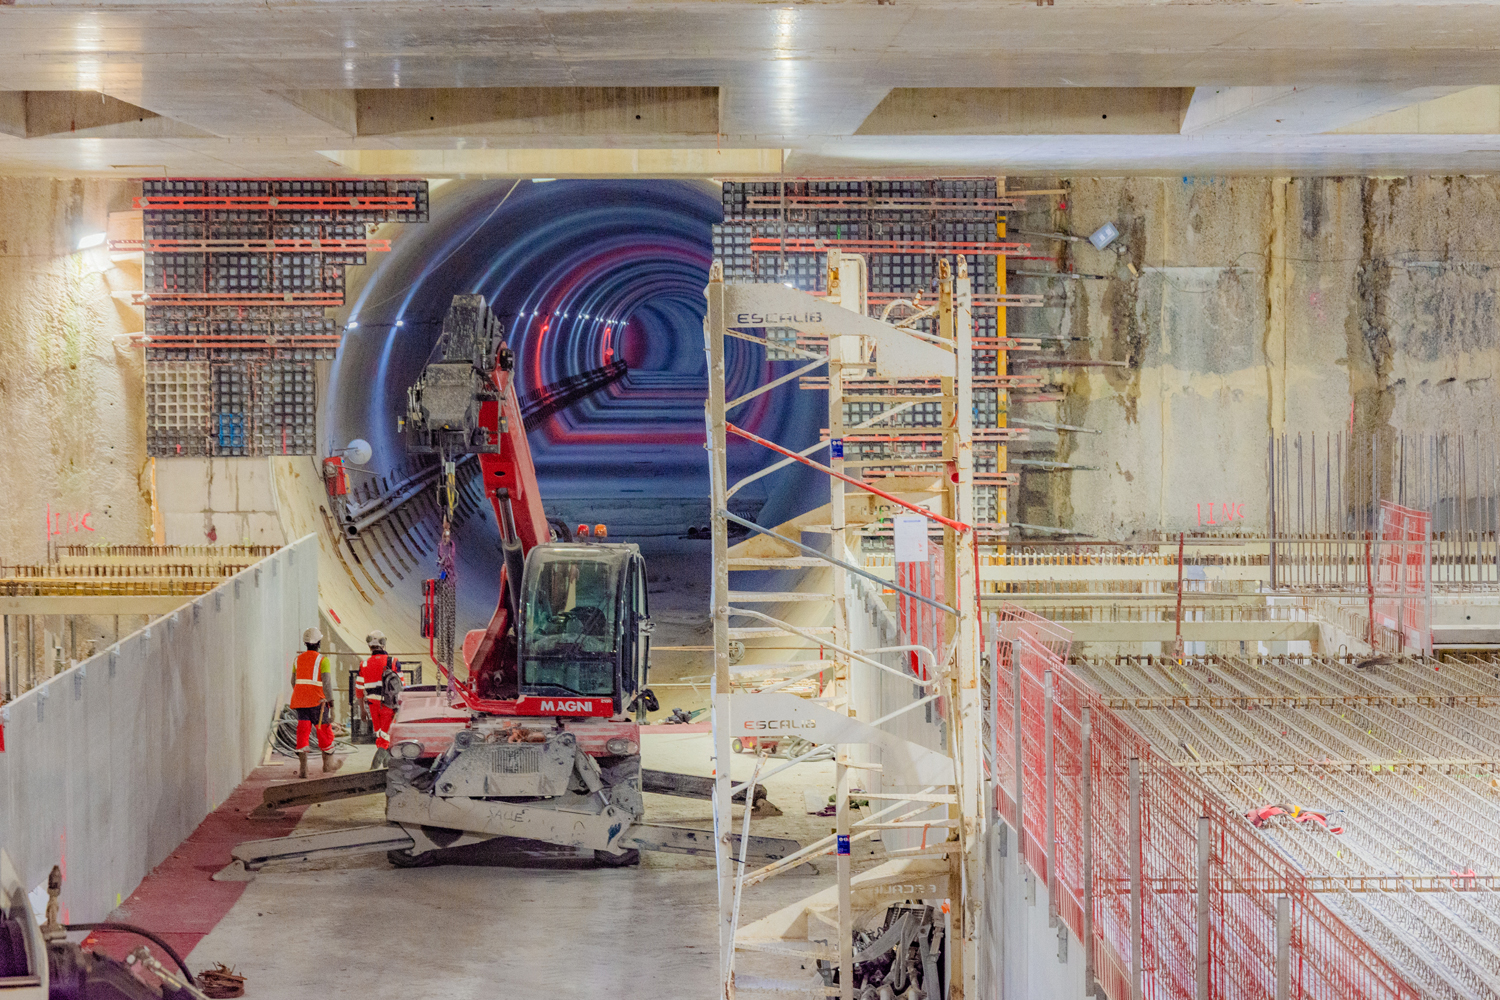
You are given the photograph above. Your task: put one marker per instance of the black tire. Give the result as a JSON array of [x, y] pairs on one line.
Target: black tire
[[626, 860], [737, 746], [406, 859]]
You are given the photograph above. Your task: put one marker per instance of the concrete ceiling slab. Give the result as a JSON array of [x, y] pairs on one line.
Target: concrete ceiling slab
[[804, 77], [1029, 111]]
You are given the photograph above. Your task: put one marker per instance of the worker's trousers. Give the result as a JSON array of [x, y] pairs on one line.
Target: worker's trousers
[[380, 721], [316, 715]]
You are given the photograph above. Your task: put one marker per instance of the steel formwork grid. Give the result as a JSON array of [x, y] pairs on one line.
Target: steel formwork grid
[[950, 211], [1412, 780], [178, 402], [246, 296], [1247, 871]]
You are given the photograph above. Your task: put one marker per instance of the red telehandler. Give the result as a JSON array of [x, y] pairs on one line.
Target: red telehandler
[[537, 748]]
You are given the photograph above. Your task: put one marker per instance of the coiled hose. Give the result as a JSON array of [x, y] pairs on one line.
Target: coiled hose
[[284, 738]]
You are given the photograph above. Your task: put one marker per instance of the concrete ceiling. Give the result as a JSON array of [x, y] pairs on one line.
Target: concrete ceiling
[[585, 87]]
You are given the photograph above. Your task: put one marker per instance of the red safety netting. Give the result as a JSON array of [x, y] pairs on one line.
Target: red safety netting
[[1403, 568], [922, 624], [1328, 961]]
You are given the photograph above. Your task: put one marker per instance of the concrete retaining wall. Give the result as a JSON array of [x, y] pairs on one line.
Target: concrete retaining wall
[[110, 765]]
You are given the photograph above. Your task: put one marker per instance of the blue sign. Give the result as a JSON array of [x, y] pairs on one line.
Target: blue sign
[[843, 844], [836, 447]]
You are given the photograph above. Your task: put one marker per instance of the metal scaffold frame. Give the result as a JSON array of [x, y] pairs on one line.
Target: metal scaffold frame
[[858, 346]]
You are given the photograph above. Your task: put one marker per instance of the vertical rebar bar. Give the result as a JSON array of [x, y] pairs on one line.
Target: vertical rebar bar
[[1015, 728], [1086, 751], [1312, 469], [1205, 854], [1301, 527], [1463, 515], [1049, 763], [1135, 879]]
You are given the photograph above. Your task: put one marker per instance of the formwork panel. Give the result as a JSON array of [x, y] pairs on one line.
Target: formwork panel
[[178, 402], [252, 318]]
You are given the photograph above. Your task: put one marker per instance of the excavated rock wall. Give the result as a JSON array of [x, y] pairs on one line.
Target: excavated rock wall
[[1246, 307], [72, 412]]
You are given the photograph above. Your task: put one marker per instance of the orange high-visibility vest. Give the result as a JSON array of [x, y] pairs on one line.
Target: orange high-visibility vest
[[372, 677], [307, 686]]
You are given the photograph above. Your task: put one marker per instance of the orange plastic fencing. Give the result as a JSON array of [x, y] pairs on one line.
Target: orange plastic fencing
[[1327, 960]]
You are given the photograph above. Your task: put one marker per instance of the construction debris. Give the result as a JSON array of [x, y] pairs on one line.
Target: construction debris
[[221, 981]]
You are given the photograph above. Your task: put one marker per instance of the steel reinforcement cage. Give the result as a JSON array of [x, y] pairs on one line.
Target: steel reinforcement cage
[[1173, 892]]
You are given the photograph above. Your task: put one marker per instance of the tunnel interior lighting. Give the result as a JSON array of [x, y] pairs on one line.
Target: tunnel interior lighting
[[92, 240]]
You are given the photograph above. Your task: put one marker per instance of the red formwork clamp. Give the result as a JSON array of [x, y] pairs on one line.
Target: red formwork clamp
[[335, 480]]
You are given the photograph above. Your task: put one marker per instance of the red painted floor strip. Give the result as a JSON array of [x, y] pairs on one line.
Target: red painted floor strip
[[178, 900]]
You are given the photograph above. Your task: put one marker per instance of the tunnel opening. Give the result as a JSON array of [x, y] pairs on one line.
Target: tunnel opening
[[582, 274]]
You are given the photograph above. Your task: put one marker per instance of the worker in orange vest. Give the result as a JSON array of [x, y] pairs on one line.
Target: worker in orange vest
[[372, 688], [312, 698]]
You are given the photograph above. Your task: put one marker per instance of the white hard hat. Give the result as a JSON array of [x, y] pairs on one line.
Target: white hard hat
[[376, 638], [312, 637]]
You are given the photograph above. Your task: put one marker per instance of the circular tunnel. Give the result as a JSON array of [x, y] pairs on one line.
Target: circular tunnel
[[581, 273]]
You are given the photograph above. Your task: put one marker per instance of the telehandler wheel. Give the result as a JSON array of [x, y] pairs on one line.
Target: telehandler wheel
[[737, 746], [623, 860], [406, 859]]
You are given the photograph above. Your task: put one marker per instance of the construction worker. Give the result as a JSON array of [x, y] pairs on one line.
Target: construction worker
[[312, 698], [372, 688]]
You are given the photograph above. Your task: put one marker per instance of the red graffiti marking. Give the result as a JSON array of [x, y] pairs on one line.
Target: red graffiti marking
[[1227, 512], [62, 522]]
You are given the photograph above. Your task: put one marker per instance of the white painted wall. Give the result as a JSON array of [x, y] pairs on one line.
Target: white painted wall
[[110, 765], [1020, 954]]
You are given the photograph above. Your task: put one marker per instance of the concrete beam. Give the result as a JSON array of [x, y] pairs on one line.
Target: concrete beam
[[1029, 111], [1473, 111], [704, 163], [100, 604], [90, 114], [13, 113], [1193, 631], [1297, 110], [339, 108], [540, 111]]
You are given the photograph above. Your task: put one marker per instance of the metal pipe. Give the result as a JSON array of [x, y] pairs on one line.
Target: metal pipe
[[793, 630], [1135, 879], [777, 466], [914, 508], [842, 860], [838, 562], [515, 556]]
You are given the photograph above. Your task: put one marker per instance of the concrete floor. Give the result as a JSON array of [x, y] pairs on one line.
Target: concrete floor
[[362, 930]]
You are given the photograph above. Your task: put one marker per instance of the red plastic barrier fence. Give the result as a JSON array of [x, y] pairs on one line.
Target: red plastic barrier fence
[[1403, 569], [921, 623]]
